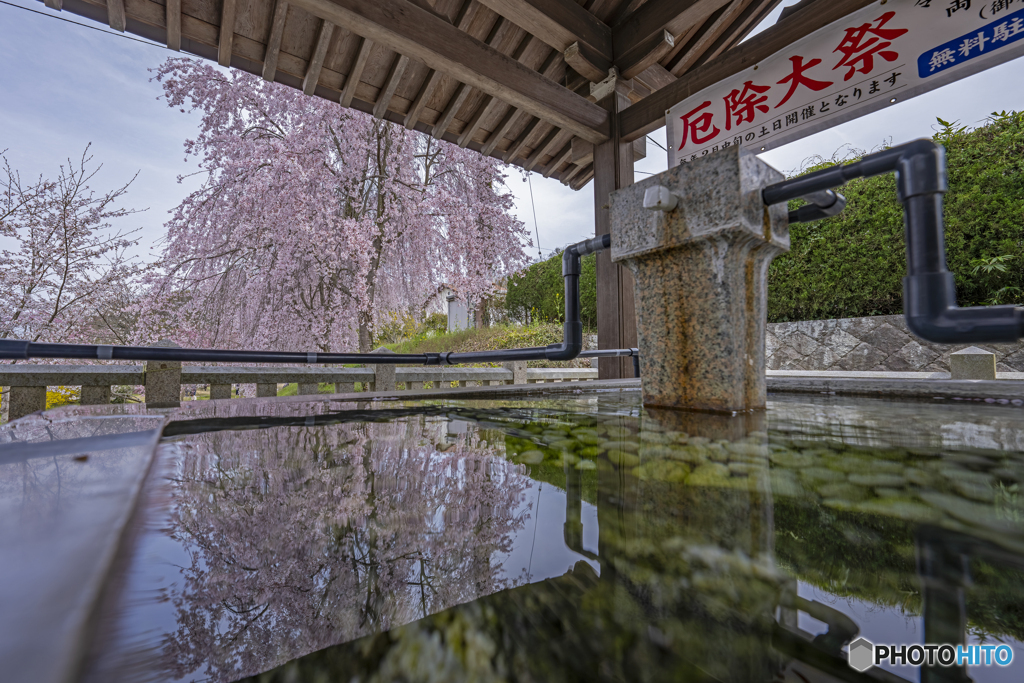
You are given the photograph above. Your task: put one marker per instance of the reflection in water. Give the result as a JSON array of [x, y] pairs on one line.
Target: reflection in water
[[730, 549]]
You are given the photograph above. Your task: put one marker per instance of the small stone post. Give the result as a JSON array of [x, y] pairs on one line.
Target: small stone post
[[266, 390], [384, 375], [701, 279], [309, 388], [220, 391], [972, 363], [518, 370], [95, 395], [163, 380], [25, 401]]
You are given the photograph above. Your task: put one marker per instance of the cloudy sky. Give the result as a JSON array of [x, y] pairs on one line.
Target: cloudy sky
[[63, 86]]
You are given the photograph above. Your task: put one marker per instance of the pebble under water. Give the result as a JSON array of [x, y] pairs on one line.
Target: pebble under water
[[576, 539]]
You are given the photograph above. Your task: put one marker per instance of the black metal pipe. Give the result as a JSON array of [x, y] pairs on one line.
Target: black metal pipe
[[929, 290], [570, 348]]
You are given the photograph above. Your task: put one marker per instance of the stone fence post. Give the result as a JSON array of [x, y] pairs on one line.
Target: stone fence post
[[163, 380], [384, 375], [518, 370]]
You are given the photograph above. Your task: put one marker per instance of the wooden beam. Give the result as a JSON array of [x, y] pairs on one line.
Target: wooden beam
[[433, 79], [649, 114], [274, 40], [115, 15], [410, 30], [559, 23], [543, 148], [54, 4], [494, 37], [616, 311], [560, 158], [227, 32], [173, 16], [316, 61], [390, 85], [654, 16], [587, 63], [356, 72], [644, 54]]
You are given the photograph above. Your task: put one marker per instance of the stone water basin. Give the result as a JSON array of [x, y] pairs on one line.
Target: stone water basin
[[579, 538]]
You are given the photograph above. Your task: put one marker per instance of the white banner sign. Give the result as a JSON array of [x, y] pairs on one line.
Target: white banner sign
[[883, 54]]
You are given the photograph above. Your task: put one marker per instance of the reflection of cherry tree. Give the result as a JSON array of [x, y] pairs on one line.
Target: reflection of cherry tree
[[303, 538]]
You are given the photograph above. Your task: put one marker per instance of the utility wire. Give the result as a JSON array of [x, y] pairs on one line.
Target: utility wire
[[76, 23], [535, 226]]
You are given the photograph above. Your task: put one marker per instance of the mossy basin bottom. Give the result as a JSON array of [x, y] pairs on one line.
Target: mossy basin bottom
[[577, 539]]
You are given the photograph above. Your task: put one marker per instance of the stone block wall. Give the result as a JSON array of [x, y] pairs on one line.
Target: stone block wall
[[880, 343]]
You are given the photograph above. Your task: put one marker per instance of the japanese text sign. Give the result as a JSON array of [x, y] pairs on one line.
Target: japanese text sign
[[885, 53]]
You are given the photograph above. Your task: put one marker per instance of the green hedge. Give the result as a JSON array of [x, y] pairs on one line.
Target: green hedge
[[537, 294], [853, 264]]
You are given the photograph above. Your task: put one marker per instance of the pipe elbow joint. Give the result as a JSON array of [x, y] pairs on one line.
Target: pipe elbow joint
[[931, 313], [921, 170]]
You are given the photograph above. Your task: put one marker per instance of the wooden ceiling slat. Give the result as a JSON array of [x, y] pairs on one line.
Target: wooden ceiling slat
[[316, 63], [227, 32], [421, 35], [274, 40], [174, 25]]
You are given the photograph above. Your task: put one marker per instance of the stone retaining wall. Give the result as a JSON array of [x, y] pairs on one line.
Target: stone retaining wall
[[880, 343]]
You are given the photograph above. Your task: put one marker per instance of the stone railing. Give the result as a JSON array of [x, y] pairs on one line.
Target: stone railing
[[27, 384]]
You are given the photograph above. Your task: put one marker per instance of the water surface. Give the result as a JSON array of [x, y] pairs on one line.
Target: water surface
[[570, 539]]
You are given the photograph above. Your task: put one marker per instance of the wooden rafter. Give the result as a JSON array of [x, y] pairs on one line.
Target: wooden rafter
[[115, 15], [463, 91], [316, 61], [356, 72], [542, 148], [702, 39], [421, 35], [490, 103], [560, 158], [648, 22], [548, 70], [559, 23], [274, 40], [649, 114], [173, 18], [390, 85], [462, 22], [227, 32]]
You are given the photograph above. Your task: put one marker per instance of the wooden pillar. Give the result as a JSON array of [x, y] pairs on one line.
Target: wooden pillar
[[616, 312]]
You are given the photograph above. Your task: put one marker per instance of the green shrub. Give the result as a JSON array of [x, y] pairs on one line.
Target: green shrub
[[537, 295], [853, 264]]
